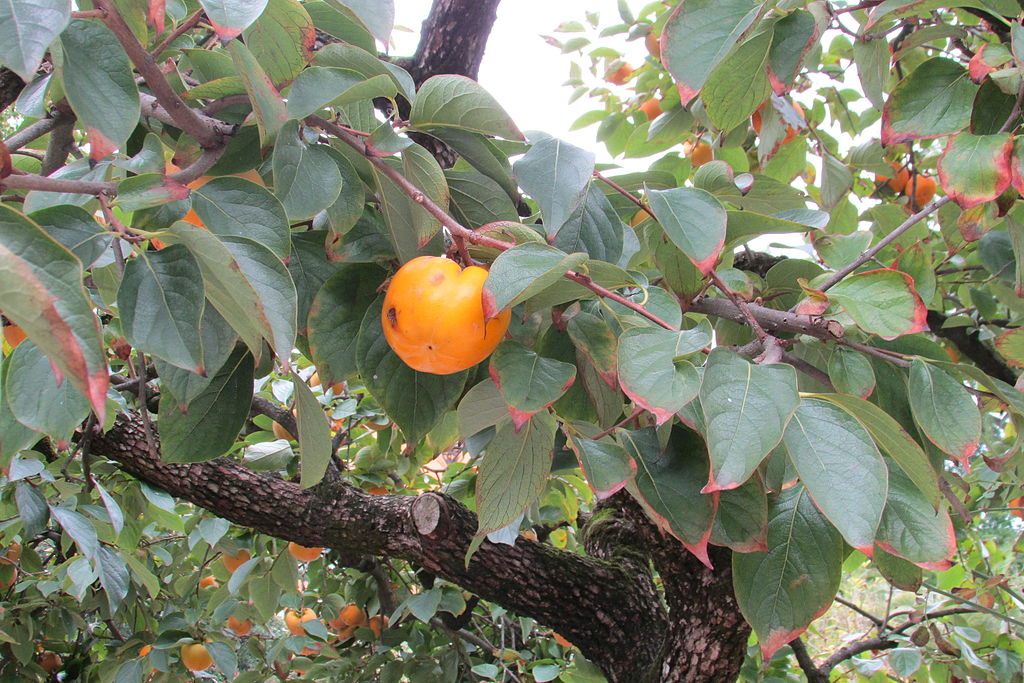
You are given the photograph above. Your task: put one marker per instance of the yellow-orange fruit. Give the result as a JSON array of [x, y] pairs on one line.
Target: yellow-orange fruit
[[49, 661], [899, 179], [653, 43], [701, 154], [924, 190], [433, 316], [145, 650], [620, 75], [208, 582], [304, 554], [239, 627], [195, 657], [1017, 503], [293, 620], [377, 624], [13, 335], [233, 562], [561, 641], [378, 490], [791, 131], [652, 108]]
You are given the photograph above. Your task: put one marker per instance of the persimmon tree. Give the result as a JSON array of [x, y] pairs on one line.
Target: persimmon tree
[[677, 453]]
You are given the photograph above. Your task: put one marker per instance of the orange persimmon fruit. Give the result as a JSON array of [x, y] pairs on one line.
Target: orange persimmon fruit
[[233, 562], [433, 316], [899, 179], [239, 627], [652, 108], [791, 131], [923, 187], [302, 553], [1017, 502], [196, 657], [293, 620], [620, 75]]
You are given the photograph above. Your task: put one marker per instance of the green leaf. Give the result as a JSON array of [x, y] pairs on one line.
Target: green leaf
[[335, 317], [483, 406], [451, 100], [744, 225], [872, 58], [79, 528], [524, 271], [913, 529], [556, 174], [653, 369], [746, 409], [975, 169], [1010, 345], [36, 399], [98, 82], [606, 464], [282, 40], [363, 60], [945, 411], [161, 299], [528, 382], [841, 468], [240, 207], [32, 507], [378, 16], [409, 225], [231, 17], [902, 574], [667, 485], [416, 401], [306, 177], [217, 340], [894, 440], [309, 269], [594, 338], [783, 590], [268, 107], [698, 35], [148, 190], [314, 434], [76, 229], [27, 28], [741, 522], [739, 84], [113, 576], [513, 471], [935, 100], [319, 86], [851, 372], [836, 181], [478, 200], [206, 428], [882, 302], [694, 220]]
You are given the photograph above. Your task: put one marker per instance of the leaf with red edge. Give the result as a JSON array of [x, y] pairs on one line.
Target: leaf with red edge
[[230, 17], [794, 35], [935, 100], [975, 222], [694, 220], [977, 67], [1010, 345], [267, 105], [882, 302], [841, 467], [593, 337], [746, 409], [156, 13], [945, 411], [148, 190], [886, 7], [524, 271], [742, 519], [1017, 165], [976, 168], [912, 528], [781, 591], [606, 464], [653, 369], [41, 291], [699, 35], [528, 381], [668, 482]]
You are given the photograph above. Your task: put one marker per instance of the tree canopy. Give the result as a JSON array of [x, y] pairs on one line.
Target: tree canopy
[[751, 413]]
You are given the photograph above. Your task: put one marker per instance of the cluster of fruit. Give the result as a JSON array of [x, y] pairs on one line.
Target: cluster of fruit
[[917, 187]]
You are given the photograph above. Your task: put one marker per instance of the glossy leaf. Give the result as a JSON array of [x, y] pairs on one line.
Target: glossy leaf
[[694, 220], [592, 228], [668, 482], [481, 407], [794, 36], [595, 339], [851, 372], [743, 226], [698, 35], [416, 401], [739, 84], [41, 291], [746, 408], [451, 100], [79, 528], [653, 369], [783, 590], [934, 100], [27, 28], [606, 464], [314, 434], [76, 229], [161, 300], [148, 190], [282, 40], [309, 267], [320, 86], [98, 81], [556, 174], [206, 428], [513, 471], [37, 400], [409, 225], [882, 302], [840, 467], [894, 440], [378, 16], [306, 177], [528, 381], [335, 317], [945, 411], [524, 271], [231, 17], [975, 169], [267, 105], [236, 206], [872, 59], [741, 522], [217, 340], [912, 528]]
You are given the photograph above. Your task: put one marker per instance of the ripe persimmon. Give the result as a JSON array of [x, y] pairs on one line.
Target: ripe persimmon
[[293, 620], [302, 553], [208, 582], [620, 75], [433, 316], [378, 491], [145, 650], [791, 131], [196, 657], [899, 179], [701, 154], [13, 335], [652, 108], [239, 627], [233, 562], [314, 381], [923, 187], [1017, 502], [377, 624], [49, 661], [653, 43]]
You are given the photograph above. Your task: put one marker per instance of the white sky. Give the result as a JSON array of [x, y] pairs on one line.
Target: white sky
[[523, 72]]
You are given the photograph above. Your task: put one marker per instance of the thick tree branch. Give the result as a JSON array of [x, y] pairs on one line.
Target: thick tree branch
[[453, 39], [602, 607], [970, 344]]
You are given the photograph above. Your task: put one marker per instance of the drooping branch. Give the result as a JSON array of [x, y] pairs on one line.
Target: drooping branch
[[610, 612]]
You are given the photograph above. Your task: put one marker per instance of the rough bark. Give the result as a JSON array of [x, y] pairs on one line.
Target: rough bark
[[605, 603], [453, 39], [11, 86], [970, 344]]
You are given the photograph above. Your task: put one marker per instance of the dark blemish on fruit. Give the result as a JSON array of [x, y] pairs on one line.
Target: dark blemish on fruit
[[393, 317]]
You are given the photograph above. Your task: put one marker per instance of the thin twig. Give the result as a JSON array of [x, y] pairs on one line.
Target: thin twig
[[740, 304], [877, 621], [182, 28], [624, 192]]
